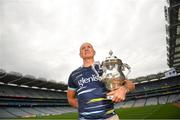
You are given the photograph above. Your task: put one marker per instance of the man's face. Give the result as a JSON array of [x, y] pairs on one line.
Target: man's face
[[87, 51]]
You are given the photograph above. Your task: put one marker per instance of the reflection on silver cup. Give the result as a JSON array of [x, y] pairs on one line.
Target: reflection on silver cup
[[112, 76]]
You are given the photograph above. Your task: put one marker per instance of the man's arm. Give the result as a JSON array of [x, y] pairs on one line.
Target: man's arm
[[119, 94], [129, 85], [71, 95]]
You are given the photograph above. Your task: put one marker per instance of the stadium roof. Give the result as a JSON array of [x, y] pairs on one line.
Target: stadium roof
[[149, 78], [18, 79], [29, 80], [172, 16]]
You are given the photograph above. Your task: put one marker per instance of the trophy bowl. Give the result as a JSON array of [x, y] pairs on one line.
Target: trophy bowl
[[112, 75]]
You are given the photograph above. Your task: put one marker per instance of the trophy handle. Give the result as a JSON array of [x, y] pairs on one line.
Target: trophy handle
[[124, 65]]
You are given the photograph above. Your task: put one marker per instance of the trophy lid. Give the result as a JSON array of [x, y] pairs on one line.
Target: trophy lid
[[112, 59]]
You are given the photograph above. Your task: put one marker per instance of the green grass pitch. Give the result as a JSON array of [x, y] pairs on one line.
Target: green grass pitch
[[167, 111]]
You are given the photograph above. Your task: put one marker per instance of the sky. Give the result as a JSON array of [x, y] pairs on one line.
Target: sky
[[42, 37]]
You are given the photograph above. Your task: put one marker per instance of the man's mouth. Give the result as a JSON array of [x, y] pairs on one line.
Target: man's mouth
[[87, 52]]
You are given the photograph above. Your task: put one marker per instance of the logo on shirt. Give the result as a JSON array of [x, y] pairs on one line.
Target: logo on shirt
[[87, 80]]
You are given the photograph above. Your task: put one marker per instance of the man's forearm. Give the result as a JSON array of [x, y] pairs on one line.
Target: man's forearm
[[73, 102], [129, 85], [71, 96]]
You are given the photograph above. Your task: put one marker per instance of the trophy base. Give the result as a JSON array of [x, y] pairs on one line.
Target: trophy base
[[109, 97]]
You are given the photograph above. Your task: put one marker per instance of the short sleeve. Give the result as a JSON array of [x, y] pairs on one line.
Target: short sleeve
[[71, 83]]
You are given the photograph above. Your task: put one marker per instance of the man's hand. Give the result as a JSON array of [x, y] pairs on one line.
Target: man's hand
[[119, 94]]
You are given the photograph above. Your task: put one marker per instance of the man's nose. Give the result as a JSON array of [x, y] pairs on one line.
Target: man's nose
[[86, 49]]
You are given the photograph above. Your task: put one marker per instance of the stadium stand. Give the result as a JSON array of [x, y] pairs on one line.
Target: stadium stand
[[24, 96], [152, 101], [18, 100], [128, 104], [139, 102], [172, 16], [163, 99]]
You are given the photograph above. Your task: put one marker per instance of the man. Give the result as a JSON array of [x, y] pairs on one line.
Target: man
[[87, 93]]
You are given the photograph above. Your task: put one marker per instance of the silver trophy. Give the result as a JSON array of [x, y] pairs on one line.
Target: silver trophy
[[112, 76]]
